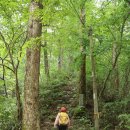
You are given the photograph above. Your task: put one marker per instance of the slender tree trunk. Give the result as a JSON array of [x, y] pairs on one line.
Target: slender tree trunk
[[3, 77], [14, 70], [18, 98], [95, 99], [46, 61], [114, 55], [70, 62], [82, 82], [60, 57], [19, 103], [115, 71], [126, 83], [31, 91]]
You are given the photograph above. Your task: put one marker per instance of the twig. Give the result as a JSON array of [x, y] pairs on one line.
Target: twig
[[7, 67], [108, 75]]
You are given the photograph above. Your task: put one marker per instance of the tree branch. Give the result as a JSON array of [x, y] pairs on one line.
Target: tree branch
[[8, 48], [123, 25], [3, 39], [7, 67], [21, 51], [76, 12], [111, 32], [108, 75], [17, 38]]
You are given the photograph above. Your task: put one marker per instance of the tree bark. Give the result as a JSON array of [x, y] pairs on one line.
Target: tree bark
[[95, 99], [19, 103], [3, 78], [126, 83], [60, 57], [115, 70], [82, 80], [31, 91], [46, 61]]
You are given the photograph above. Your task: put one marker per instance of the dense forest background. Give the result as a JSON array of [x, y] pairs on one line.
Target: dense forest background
[[72, 53]]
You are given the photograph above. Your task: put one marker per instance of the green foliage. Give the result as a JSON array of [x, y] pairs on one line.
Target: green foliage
[[62, 30], [115, 114], [82, 124], [53, 94], [7, 113], [79, 112], [113, 109], [124, 121]]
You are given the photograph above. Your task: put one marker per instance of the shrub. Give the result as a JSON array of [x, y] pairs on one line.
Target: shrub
[[124, 121], [7, 112]]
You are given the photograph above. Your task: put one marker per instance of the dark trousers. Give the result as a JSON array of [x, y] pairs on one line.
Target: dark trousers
[[62, 127]]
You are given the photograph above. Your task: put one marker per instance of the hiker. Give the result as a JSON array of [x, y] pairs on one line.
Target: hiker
[[62, 120]]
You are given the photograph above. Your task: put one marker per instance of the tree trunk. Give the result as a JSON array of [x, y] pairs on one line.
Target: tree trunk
[[31, 91], [82, 82], [126, 90], [70, 62], [60, 57], [96, 113], [14, 70], [3, 78], [19, 103], [46, 64], [115, 70]]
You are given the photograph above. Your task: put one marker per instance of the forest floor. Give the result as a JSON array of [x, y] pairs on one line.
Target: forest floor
[[61, 95]]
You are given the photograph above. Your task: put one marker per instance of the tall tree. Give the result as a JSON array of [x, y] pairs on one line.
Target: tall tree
[[115, 75], [95, 99], [13, 38], [60, 56], [46, 61], [31, 91], [15, 65], [3, 76], [82, 85]]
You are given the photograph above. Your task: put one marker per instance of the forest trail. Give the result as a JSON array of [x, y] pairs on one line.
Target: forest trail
[[63, 95], [66, 98], [73, 53], [49, 125]]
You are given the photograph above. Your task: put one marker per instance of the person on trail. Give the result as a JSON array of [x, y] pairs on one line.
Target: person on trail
[[62, 121]]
